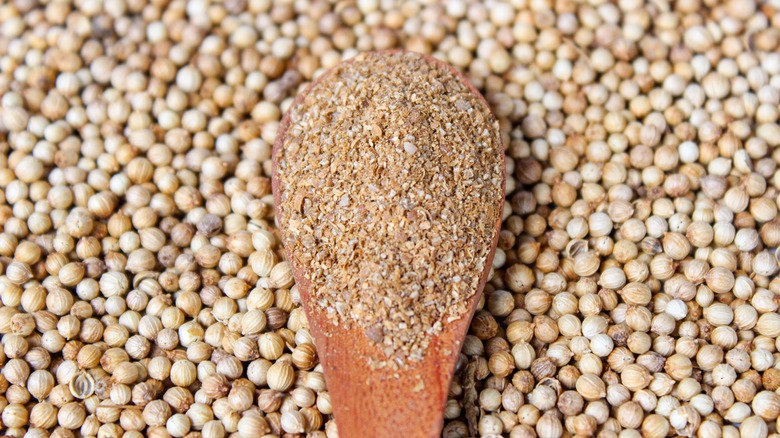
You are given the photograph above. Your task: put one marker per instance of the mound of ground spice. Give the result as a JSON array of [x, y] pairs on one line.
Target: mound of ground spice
[[389, 174]]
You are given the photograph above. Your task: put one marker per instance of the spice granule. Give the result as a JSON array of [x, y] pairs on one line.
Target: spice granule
[[390, 172]]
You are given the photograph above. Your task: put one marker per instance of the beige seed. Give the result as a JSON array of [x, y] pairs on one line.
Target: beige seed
[[82, 386], [281, 376], [281, 275], [591, 387]]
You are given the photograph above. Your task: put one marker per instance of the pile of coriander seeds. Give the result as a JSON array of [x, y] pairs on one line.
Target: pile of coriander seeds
[[144, 291]]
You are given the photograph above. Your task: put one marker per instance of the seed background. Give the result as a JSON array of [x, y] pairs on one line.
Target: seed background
[[144, 292]]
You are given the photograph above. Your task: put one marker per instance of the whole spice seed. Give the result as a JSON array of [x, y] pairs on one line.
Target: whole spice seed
[[386, 178]]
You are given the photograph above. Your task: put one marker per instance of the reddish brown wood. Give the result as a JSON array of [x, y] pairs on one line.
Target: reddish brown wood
[[378, 402]]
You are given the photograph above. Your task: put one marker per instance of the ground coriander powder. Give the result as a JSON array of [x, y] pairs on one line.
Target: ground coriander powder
[[388, 175]]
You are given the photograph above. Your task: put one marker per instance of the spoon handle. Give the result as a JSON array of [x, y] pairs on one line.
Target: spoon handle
[[382, 402]]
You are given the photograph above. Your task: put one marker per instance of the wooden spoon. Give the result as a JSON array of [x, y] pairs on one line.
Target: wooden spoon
[[370, 402]]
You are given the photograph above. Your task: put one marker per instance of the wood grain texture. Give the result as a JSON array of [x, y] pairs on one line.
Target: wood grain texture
[[383, 403]]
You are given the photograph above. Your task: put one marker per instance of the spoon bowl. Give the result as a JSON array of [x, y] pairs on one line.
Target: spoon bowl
[[371, 401]]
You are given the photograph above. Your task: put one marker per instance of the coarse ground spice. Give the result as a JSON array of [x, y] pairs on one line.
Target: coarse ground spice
[[389, 175]]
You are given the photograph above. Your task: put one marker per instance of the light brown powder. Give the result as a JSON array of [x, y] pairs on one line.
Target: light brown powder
[[389, 174]]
